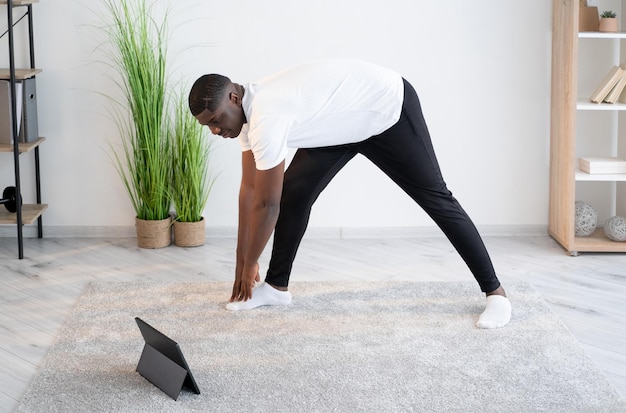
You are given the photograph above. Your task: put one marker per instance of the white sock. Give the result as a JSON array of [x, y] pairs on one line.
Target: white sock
[[263, 294], [497, 313]]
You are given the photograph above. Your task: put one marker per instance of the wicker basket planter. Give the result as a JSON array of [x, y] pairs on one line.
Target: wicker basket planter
[[154, 233], [189, 234]]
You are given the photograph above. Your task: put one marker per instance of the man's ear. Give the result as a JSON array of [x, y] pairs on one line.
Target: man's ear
[[234, 98]]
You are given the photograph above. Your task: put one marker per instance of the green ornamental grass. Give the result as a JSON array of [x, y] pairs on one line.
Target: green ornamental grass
[[191, 180], [145, 163]]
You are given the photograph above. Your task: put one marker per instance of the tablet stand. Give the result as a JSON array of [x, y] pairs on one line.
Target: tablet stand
[[162, 362]]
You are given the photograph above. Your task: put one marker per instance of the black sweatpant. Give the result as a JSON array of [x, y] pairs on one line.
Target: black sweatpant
[[405, 153]]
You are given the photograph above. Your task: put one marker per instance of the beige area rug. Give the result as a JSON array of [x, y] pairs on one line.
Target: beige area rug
[[339, 347]]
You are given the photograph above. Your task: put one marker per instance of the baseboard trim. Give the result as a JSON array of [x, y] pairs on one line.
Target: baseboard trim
[[435, 232], [314, 232]]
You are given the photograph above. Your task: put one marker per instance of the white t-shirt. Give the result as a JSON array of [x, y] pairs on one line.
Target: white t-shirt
[[323, 103]]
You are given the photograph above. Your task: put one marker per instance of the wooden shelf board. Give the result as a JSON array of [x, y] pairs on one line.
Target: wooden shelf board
[[20, 2], [20, 74], [30, 213], [23, 146], [597, 242]]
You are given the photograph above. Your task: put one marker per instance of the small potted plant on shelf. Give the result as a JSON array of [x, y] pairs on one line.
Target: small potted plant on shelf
[[191, 180], [608, 22], [138, 45]]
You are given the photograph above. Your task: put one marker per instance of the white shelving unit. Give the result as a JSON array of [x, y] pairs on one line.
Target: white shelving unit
[[582, 128]]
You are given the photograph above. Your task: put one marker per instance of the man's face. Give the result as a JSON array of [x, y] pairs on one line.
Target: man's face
[[227, 120]]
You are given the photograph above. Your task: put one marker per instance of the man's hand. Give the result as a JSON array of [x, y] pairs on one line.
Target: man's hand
[[242, 289], [259, 205]]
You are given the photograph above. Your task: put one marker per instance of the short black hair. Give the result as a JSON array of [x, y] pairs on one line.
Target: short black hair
[[207, 93]]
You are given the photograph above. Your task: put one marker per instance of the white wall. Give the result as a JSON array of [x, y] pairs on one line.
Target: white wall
[[482, 70]]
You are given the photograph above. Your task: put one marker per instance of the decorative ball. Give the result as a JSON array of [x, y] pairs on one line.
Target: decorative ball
[[586, 219], [615, 228]]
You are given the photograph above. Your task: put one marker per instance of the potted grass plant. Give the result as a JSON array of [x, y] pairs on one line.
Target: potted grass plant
[[144, 161], [608, 22], [191, 180]]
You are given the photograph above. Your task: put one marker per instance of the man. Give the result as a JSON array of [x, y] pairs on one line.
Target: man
[[331, 110]]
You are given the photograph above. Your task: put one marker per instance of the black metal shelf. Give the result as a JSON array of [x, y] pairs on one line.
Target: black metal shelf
[[25, 214]]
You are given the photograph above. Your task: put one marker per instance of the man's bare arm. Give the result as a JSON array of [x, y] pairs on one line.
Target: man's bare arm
[[259, 205], [246, 197]]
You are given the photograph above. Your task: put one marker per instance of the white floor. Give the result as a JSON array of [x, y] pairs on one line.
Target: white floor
[[37, 293]]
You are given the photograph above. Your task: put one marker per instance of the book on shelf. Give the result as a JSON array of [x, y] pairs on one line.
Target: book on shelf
[[617, 93], [608, 83], [597, 165], [6, 110]]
